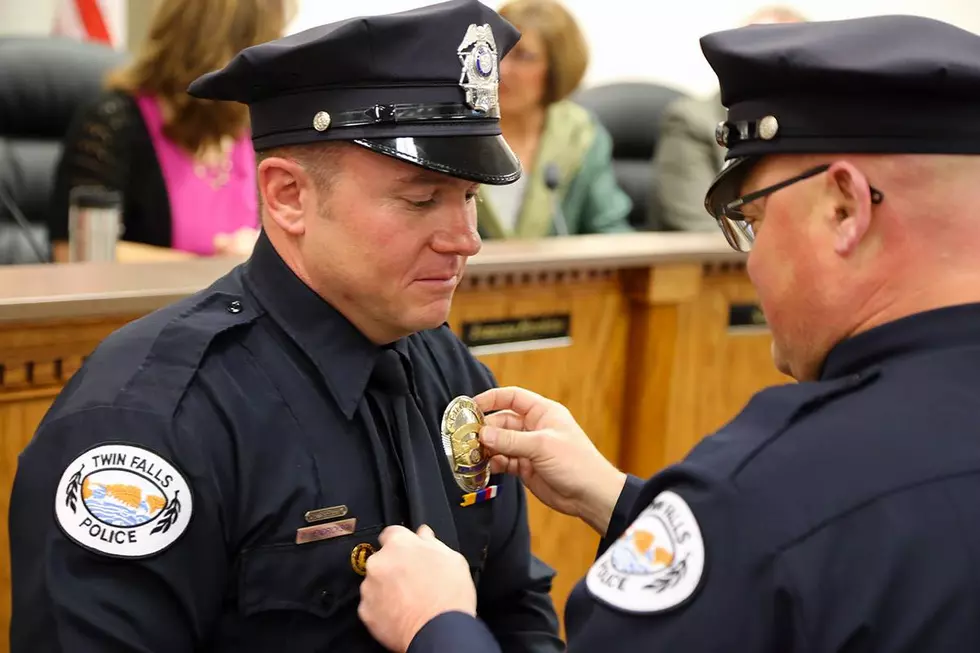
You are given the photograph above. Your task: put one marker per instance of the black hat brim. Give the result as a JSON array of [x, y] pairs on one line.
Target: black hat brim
[[481, 159], [727, 186]]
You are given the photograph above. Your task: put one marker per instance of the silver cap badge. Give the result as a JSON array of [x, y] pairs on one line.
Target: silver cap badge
[[478, 54]]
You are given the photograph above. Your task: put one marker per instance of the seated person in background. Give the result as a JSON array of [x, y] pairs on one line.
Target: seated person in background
[[559, 143], [185, 167], [688, 157]]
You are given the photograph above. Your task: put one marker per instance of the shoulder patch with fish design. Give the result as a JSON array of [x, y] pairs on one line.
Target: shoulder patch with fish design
[[656, 564], [123, 501]]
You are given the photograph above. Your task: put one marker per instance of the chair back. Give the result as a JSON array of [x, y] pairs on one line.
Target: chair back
[[631, 112], [43, 82]]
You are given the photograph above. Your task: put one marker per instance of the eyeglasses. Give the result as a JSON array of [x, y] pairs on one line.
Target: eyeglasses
[[734, 223]]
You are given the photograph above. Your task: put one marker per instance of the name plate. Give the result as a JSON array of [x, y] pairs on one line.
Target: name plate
[[746, 318], [518, 334]]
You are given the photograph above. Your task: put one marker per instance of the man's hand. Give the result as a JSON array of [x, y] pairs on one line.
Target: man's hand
[[409, 582], [539, 440], [239, 243]]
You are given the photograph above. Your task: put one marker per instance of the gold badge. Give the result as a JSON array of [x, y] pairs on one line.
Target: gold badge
[[461, 424], [358, 557]]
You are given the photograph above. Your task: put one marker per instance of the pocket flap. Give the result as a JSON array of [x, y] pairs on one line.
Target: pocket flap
[[317, 578]]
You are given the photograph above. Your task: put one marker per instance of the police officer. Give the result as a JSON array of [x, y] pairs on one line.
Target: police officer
[[836, 514], [216, 475]]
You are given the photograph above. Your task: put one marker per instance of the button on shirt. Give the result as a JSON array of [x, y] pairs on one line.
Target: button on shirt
[[184, 455]]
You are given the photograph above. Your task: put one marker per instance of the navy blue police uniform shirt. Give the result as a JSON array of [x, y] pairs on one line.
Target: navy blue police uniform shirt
[[832, 516], [829, 516], [157, 507]]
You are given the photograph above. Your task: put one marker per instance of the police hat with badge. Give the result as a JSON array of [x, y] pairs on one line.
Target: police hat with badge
[[878, 85], [420, 86]]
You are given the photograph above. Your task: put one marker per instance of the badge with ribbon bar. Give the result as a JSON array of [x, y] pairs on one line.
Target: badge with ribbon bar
[[468, 458]]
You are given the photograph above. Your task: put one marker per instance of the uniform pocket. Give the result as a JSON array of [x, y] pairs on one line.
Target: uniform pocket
[[315, 578]]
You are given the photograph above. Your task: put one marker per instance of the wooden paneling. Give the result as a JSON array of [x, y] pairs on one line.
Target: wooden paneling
[[695, 373], [651, 367], [35, 361], [586, 376], [19, 416]]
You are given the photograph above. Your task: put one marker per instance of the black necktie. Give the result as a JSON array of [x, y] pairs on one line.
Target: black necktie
[[416, 450]]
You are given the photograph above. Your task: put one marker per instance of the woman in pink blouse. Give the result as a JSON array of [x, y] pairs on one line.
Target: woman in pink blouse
[[185, 167]]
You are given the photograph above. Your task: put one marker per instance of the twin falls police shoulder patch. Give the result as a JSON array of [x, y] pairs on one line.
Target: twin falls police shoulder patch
[[656, 564], [123, 500]]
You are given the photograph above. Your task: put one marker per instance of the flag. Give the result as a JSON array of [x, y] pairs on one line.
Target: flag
[[92, 20]]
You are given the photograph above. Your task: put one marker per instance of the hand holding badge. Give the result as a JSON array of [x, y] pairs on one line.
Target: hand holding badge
[[468, 458]]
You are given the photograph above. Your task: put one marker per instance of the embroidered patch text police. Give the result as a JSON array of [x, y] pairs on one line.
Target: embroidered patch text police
[[656, 564], [123, 500]]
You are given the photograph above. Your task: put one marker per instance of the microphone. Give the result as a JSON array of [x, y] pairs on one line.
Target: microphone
[[552, 178], [7, 202]]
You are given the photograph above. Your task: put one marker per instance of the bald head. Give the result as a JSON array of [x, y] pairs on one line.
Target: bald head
[[869, 240], [931, 199], [775, 14]]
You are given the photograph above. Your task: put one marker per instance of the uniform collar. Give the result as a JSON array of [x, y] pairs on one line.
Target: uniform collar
[[943, 328], [342, 354]]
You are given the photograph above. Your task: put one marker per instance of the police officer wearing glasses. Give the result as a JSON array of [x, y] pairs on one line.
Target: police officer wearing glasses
[[837, 514]]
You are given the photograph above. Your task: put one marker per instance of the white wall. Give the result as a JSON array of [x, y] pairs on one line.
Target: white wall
[[629, 39], [23, 17], [37, 17], [658, 39]]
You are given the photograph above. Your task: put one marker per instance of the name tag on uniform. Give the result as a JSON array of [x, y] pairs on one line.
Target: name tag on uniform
[[328, 531]]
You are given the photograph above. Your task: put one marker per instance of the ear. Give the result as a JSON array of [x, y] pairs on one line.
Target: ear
[[288, 194], [850, 193]]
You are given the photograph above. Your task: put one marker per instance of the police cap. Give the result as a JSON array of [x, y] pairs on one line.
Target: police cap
[[420, 86], [884, 84]]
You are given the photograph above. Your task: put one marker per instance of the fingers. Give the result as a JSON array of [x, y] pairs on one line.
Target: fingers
[[498, 465], [506, 419], [221, 240], [510, 443], [524, 468], [426, 533], [393, 533], [504, 465], [519, 400]]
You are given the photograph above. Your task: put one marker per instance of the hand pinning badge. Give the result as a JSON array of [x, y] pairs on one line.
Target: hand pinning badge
[[468, 458]]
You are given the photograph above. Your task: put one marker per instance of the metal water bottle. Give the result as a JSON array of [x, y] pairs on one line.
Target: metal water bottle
[[94, 223]]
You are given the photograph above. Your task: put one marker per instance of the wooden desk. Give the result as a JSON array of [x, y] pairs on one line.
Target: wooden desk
[[127, 252], [650, 363]]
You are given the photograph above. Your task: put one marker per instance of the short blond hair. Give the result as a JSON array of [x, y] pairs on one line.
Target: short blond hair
[[568, 52]]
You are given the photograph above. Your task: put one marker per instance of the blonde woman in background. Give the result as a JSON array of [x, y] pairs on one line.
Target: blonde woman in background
[[558, 142], [184, 167]]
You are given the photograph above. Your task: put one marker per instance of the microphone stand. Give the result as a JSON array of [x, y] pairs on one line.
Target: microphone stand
[[18, 216], [552, 179]]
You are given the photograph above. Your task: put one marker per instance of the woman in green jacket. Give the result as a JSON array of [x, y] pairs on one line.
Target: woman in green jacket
[[565, 152]]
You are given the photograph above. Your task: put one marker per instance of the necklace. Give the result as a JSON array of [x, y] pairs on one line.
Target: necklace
[[213, 164]]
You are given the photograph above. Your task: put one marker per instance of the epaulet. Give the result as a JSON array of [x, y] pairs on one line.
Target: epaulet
[[182, 344], [766, 417]]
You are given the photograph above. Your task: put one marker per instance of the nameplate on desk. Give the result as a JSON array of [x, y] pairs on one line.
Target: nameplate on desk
[[746, 318], [517, 334]]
